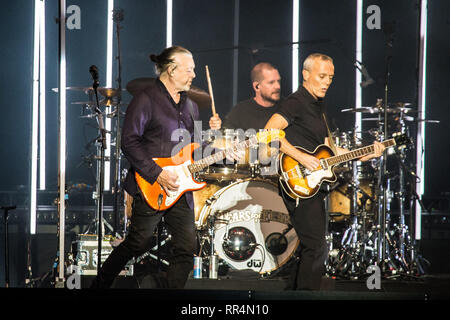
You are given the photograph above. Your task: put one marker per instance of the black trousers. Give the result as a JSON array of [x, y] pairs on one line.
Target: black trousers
[[310, 223], [180, 223]]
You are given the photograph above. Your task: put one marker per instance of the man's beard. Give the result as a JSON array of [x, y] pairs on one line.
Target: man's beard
[[269, 98]]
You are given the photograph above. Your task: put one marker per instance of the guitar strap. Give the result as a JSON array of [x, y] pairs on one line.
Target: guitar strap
[[197, 128], [330, 136]]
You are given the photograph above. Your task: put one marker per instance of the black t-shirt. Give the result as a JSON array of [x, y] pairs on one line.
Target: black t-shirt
[[306, 126], [248, 114]]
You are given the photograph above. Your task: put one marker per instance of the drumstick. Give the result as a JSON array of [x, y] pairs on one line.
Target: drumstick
[[213, 107]]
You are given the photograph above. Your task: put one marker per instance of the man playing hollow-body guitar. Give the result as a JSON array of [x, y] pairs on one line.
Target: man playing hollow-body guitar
[[301, 116]]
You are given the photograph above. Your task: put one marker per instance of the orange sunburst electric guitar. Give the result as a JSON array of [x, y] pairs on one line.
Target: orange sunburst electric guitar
[[183, 165]]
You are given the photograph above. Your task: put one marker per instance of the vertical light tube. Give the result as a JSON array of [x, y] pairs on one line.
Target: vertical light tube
[[62, 134], [358, 56], [109, 71], [34, 118], [420, 148], [42, 92], [295, 44], [235, 52], [169, 12]]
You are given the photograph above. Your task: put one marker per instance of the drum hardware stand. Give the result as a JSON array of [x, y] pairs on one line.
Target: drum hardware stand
[[101, 167], [6, 217], [389, 30], [407, 246], [212, 256]]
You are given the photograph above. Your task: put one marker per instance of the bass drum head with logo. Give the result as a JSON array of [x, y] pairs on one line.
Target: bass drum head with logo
[[252, 227]]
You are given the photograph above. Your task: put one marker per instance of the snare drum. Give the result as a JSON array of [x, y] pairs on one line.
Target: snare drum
[[227, 170]]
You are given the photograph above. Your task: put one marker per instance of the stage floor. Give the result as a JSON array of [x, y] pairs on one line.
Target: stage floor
[[239, 298]]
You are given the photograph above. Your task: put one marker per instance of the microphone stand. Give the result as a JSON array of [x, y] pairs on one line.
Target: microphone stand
[[117, 17], [6, 209], [100, 184]]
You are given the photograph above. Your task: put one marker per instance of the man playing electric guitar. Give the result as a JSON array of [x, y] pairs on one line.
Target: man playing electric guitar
[[151, 118], [301, 117]]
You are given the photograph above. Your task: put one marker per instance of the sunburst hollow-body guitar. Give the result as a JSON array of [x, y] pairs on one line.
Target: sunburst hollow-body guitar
[[299, 182]]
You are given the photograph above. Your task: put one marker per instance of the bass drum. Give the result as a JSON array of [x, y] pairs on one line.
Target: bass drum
[[252, 226]]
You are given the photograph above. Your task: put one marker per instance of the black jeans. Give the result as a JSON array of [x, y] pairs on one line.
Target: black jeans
[[310, 223], [180, 222]]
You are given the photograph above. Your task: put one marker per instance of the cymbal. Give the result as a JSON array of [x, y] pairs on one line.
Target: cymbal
[[104, 91], [104, 102], [199, 96], [85, 89], [361, 109], [399, 107]]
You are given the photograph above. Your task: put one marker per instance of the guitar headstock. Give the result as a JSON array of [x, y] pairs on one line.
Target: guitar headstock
[[401, 139], [266, 136]]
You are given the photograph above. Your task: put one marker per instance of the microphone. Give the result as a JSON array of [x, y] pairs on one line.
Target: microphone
[[367, 78], [94, 73]]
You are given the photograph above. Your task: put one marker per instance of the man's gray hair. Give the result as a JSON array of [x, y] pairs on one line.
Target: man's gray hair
[[307, 64]]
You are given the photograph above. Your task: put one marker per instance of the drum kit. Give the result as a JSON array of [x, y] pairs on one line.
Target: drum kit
[[364, 228], [242, 222]]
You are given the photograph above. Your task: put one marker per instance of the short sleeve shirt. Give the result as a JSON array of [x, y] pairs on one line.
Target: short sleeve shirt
[[306, 126]]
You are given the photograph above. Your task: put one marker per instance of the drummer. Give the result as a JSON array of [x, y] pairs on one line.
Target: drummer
[[252, 114]]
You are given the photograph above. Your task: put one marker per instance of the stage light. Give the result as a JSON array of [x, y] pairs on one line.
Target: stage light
[[62, 85], [420, 140], [295, 44], [358, 57], [235, 51], [42, 102], [35, 117], [169, 13], [109, 76]]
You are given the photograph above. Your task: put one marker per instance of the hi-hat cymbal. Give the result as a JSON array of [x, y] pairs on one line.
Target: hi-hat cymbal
[[104, 91], [199, 96], [399, 107], [108, 102]]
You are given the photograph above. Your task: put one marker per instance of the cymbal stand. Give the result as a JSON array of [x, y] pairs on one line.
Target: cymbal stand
[[411, 261], [118, 17], [389, 31], [351, 261], [401, 193], [100, 175]]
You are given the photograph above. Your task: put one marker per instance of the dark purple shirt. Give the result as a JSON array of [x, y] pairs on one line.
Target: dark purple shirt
[[150, 130]]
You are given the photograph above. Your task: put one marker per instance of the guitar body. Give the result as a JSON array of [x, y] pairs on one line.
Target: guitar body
[[154, 194], [297, 181]]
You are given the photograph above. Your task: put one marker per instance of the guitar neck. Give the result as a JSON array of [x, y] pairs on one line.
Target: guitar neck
[[199, 165], [357, 153]]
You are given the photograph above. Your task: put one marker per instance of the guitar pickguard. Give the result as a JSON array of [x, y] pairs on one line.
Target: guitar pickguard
[[184, 181], [316, 177]]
